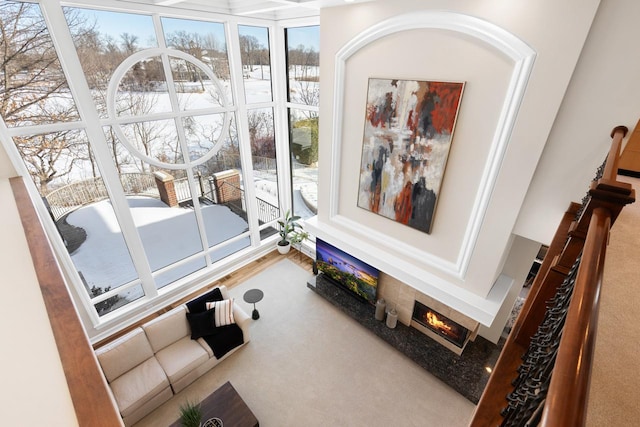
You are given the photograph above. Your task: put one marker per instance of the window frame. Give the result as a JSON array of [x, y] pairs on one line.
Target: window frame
[[92, 124]]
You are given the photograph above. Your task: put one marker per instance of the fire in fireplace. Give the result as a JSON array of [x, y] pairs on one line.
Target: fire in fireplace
[[440, 324]]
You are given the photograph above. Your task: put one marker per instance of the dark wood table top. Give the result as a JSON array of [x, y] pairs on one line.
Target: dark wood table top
[[225, 403]]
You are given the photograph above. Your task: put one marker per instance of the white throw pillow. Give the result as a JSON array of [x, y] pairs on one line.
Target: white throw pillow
[[223, 311]]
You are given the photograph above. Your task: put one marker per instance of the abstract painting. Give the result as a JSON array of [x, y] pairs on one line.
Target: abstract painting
[[407, 137]]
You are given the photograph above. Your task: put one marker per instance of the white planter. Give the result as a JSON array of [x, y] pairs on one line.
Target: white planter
[[284, 249]]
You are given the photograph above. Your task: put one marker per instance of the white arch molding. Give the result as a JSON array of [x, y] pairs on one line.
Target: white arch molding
[[490, 34]]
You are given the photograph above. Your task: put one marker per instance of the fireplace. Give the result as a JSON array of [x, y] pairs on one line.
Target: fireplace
[[443, 329]]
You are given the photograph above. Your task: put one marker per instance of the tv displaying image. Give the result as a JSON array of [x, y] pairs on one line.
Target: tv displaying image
[[347, 271]]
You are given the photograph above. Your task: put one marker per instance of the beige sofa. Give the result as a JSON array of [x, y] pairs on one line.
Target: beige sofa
[[148, 365]]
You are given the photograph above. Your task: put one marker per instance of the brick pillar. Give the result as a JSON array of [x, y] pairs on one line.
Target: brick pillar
[[227, 185], [166, 188]]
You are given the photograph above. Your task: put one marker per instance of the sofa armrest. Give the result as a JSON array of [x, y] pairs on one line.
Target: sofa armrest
[[243, 320]]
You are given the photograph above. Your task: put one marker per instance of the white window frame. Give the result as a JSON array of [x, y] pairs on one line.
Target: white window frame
[[92, 124]]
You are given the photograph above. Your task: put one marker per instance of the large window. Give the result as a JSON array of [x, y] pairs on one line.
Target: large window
[[303, 79], [258, 88], [160, 178]]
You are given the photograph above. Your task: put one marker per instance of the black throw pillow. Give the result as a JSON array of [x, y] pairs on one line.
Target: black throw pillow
[[199, 304], [202, 323]]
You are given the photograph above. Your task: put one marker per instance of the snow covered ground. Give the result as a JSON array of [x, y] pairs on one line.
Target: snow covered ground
[[168, 235]]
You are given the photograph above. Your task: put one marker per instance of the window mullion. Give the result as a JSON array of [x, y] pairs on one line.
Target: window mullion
[[175, 108], [235, 64], [281, 117], [61, 37]]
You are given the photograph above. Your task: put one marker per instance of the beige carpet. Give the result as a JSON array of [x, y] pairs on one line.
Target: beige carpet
[[310, 365], [613, 399]]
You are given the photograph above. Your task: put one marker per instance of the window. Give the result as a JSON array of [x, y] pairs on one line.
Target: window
[[303, 79], [256, 74], [150, 185]]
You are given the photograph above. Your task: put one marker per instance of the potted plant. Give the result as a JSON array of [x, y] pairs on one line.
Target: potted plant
[[298, 236], [287, 226], [190, 414]]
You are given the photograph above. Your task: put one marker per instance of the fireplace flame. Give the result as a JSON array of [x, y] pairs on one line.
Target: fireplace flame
[[433, 320]]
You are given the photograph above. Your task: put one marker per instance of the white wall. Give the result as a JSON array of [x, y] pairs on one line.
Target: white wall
[[432, 263], [33, 382], [604, 92], [6, 168]]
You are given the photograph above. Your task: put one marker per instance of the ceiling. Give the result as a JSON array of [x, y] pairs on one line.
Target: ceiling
[[268, 9]]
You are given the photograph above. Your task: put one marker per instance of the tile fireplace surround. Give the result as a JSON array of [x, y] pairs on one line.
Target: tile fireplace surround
[[466, 373]]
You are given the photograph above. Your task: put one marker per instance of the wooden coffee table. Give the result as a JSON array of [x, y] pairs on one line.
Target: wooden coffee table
[[225, 403]]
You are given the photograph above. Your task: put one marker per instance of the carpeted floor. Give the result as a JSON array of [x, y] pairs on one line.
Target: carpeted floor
[[308, 364], [613, 399]]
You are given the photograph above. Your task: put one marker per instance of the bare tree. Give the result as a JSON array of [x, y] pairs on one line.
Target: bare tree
[[129, 43], [215, 55], [143, 134], [249, 51], [34, 91], [29, 67], [194, 45], [51, 156], [303, 67], [261, 133]]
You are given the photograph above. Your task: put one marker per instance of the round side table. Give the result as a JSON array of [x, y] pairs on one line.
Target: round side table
[[252, 296]]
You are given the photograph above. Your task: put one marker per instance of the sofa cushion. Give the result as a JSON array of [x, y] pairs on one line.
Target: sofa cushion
[[181, 357], [167, 328], [124, 354], [223, 312], [197, 305], [138, 386], [201, 324]]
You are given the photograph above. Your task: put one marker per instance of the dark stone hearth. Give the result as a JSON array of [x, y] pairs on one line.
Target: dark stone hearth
[[466, 374]]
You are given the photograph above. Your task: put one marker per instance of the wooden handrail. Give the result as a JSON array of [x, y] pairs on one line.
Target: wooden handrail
[[493, 399], [93, 404], [572, 369], [566, 398]]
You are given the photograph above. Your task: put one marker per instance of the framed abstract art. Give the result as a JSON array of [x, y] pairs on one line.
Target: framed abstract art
[[408, 133]]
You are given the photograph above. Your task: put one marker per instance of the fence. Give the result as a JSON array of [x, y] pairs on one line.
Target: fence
[[72, 196], [266, 211]]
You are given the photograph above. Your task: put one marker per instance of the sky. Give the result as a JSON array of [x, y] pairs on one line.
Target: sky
[[307, 36], [115, 23]]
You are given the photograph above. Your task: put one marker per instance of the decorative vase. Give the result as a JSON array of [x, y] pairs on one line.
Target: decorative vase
[[284, 249], [380, 307], [392, 318]]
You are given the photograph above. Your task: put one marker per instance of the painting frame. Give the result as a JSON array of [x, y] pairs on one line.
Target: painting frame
[[407, 138]]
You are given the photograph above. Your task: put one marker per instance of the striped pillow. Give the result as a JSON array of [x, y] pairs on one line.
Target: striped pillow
[[223, 312]]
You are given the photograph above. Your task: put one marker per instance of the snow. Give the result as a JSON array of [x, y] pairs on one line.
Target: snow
[[168, 235]]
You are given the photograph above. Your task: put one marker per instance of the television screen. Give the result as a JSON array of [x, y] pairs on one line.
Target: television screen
[[347, 271]]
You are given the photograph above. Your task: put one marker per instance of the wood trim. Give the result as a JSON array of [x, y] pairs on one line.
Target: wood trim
[[535, 304], [493, 398], [572, 369], [566, 399], [92, 400]]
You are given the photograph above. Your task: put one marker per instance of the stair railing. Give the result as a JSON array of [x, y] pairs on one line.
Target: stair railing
[[543, 372]]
